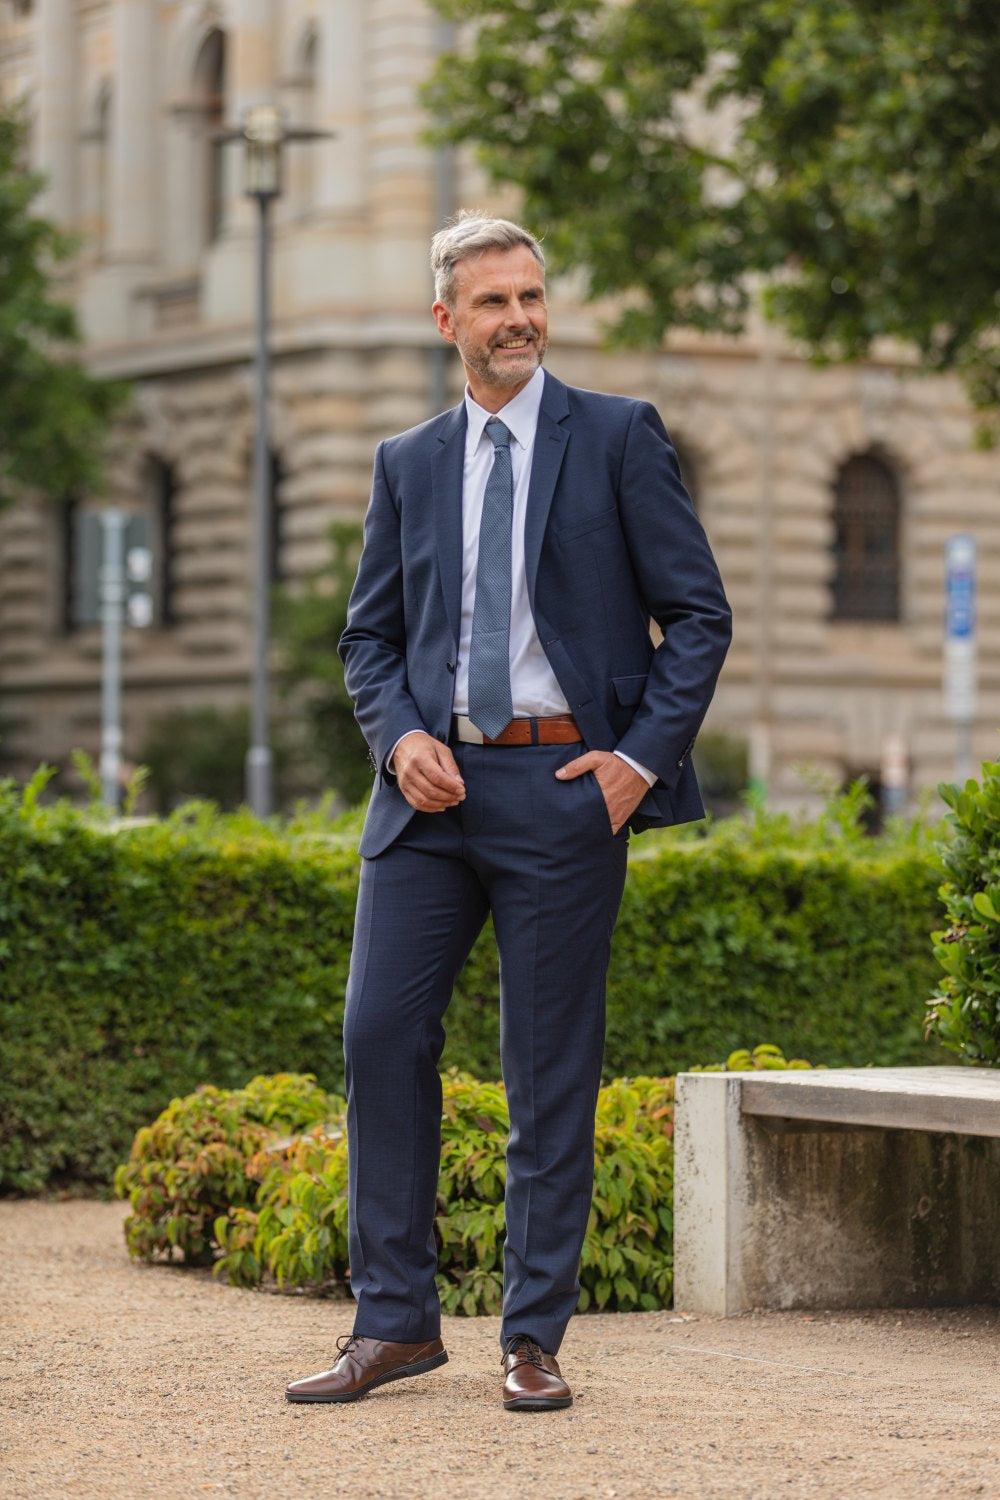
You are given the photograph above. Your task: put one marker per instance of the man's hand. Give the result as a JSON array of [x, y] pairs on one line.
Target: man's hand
[[427, 774], [622, 788]]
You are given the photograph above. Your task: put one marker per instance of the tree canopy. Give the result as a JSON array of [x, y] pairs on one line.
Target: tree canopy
[[843, 153], [53, 412]]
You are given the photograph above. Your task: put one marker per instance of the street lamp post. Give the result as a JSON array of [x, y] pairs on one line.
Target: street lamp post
[[263, 134]]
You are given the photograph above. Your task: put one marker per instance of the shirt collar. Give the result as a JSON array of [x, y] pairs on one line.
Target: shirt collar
[[519, 416]]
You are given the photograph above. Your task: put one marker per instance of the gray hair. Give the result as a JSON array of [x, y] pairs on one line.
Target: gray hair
[[471, 233]]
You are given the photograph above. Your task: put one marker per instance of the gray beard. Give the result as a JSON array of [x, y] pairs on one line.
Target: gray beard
[[497, 372]]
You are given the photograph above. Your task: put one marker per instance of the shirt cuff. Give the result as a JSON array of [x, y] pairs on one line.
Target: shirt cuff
[[392, 752], [648, 776]]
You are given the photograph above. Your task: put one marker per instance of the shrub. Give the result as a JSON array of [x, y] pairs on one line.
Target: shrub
[[191, 1164], [293, 1226], [297, 1233], [965, 1011], [137, 963]]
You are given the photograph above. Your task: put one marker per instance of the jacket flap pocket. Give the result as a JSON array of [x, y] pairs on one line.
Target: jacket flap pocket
[[629, 690], [592, 522]]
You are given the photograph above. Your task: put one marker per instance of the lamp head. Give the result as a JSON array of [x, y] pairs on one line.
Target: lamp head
[[263, 134]]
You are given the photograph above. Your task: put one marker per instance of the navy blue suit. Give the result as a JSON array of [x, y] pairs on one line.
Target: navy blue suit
[[611, 542]]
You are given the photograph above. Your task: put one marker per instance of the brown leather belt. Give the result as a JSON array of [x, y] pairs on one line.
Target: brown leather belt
[[560, 729]]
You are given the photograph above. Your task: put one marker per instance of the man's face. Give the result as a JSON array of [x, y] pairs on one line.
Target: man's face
[[498, 320]]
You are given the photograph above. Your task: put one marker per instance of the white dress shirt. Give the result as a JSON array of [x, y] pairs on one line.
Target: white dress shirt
[[535, 692]]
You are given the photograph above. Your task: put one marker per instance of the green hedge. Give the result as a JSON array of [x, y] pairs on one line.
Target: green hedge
[[137, 964]]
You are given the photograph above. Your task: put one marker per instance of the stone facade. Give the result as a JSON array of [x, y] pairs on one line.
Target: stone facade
[[123, 94]]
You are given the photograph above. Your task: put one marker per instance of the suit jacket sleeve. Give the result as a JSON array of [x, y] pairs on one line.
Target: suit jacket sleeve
[[680, 586], [373, 645]]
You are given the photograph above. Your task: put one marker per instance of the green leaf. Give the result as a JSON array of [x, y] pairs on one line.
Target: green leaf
[[984, 906]]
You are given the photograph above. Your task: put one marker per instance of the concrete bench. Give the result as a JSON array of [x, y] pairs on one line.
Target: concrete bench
[[847, 1187]]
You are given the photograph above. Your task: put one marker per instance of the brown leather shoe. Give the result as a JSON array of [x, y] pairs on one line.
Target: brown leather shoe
[[365, 1363], [532, 1381]]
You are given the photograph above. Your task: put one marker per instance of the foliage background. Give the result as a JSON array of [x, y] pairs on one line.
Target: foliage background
[[54, 415], [682, 153]]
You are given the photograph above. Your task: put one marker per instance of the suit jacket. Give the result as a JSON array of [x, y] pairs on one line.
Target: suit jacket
[[611, 541]]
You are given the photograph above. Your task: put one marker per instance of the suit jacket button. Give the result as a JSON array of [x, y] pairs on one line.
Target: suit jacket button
[[450, 665]]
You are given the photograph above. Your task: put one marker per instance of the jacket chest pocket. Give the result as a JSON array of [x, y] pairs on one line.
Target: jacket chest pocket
[[579, 526]]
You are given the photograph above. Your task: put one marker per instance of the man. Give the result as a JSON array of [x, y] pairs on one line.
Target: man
[[499, 656]]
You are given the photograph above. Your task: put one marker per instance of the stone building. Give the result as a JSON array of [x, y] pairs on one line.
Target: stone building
[[828, 494]]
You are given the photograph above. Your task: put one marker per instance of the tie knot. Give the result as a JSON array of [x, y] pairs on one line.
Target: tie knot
[[498, 434]]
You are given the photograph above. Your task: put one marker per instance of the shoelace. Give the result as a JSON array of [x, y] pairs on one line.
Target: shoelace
[[345, 1344], [525, 1350]]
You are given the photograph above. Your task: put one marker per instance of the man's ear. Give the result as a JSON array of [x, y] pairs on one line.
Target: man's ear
[[445, 322]]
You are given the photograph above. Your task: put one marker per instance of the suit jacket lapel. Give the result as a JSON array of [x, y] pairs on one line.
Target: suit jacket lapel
[[551, 439], [447, 473]]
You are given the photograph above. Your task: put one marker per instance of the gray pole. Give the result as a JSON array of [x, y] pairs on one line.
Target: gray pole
[[112, 614], [963, 753], [258, 762], [762, 728]]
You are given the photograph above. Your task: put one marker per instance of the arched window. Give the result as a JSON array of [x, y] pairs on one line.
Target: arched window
[[866, 514], [210, 91]]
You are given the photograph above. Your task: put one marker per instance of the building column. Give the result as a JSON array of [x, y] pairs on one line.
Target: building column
[[400, 168], [340, 174], [251, 80], [56, 133], [229, 266], [133, 148]]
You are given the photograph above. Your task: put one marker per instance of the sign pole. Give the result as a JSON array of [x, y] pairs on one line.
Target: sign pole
[[112, 614]]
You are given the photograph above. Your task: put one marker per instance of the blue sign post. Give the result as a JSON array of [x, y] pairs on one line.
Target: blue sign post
[[960, 647]]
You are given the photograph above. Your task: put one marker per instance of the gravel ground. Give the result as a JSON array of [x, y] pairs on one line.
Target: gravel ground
[[145, 1381]]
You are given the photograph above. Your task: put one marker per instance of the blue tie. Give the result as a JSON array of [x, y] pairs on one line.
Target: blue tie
[[490, 706]]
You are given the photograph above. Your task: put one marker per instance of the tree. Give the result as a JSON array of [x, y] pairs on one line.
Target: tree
[[849, 156], [53, 413], [308, 625]]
